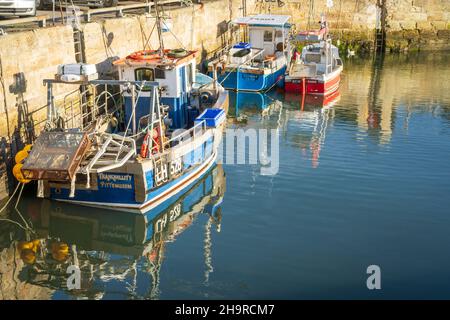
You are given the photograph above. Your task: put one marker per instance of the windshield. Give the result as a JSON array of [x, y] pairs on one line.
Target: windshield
[[201, 79]]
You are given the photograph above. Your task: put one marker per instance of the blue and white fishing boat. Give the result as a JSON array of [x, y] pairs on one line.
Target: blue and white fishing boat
[[259, 63], [137, 141]]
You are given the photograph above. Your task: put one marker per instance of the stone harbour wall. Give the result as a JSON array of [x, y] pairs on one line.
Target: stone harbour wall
[[410, 24]]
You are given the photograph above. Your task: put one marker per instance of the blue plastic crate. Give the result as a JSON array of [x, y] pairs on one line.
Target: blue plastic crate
[[242, 45], [212, 117]]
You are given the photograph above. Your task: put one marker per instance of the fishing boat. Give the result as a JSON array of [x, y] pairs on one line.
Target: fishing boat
[[259, 63], [318, 68], [159, 134]]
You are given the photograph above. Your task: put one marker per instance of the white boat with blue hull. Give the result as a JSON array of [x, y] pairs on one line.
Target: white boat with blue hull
[[259, 63], [158, 138]]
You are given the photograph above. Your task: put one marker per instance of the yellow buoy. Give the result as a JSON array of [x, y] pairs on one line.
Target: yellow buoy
[[59, 256], [60, 251], [28, 256], [59, 246], [22, 245], [36, 245], [17, 172], [27, 147], [20, 156]]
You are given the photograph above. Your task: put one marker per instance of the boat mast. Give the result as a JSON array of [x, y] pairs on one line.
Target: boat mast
[[158, 26]]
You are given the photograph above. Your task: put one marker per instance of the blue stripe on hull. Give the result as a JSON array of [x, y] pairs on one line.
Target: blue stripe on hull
[[249, 81], [197, 156]]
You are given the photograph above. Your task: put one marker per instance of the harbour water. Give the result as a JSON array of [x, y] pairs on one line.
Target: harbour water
[[363, 180]]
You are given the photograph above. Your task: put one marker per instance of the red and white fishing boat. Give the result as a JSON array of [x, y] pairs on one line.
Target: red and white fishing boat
[[318, 69]]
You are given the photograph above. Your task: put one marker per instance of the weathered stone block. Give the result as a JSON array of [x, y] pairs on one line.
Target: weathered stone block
[[427, 34], [439, 25], [443, 34], [411, 34], [394, 26], [408, 25], [423, 25], [418, 16], [436, 16]]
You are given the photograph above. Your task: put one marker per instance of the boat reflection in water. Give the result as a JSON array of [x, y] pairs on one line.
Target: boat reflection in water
[[254, 107], [311, 115], [111, 247], [309, 100]]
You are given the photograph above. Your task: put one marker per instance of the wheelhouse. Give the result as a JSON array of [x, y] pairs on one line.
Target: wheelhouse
[[175, 74]]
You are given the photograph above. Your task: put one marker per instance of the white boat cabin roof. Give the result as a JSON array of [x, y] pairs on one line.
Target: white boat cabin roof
[[263, 20]]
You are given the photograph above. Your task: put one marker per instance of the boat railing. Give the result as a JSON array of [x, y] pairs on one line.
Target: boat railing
[[219, 52], [83, 108], [113, 151]]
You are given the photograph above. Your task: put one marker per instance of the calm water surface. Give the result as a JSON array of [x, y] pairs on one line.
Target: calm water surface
[[363, 180]]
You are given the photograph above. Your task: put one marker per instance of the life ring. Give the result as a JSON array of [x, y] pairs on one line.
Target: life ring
[[144, 147], [144, 55], [156, 143], [177, 53]]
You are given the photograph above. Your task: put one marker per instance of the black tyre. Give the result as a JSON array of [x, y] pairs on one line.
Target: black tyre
[[40, 4], [111, 3]]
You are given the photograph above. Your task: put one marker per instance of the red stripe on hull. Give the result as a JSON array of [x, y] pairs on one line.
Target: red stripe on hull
[[313, 99], [313, 86]]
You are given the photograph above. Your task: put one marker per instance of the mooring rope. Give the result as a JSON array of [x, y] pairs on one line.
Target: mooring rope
[[27, 227]]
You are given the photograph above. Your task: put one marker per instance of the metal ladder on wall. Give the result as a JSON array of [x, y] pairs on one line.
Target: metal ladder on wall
[[379, 41], [78, 41]]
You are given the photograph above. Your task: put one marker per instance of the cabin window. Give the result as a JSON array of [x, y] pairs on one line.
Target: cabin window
[[144, 74], [268, 36], [278, 34], [160, 74]]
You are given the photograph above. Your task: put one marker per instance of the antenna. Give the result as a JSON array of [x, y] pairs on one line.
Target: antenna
[[310, 14]]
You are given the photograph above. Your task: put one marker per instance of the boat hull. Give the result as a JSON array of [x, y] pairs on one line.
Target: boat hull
[[251, 81], [141, 185], [154, 199], [320, 85]]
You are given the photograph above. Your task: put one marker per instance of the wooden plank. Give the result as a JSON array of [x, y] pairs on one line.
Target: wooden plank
[[10, 22]]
